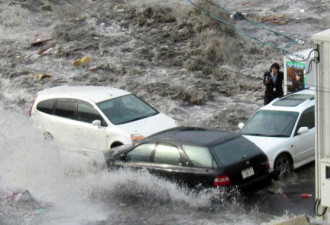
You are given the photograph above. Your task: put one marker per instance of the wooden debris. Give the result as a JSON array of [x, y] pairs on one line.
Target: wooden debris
[[41, 37], [245, 3], [83, 61], [278, 19], [43, 76]]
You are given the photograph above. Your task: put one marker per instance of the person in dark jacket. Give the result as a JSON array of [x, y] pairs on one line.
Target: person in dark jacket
[[273, 80]]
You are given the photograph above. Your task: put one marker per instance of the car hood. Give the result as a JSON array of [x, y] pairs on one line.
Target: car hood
[[149, 125], [269, 144]]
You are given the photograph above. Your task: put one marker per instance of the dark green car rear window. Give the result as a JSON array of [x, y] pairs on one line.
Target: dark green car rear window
[[234, 150]]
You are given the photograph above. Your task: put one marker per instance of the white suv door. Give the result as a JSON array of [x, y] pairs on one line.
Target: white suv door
[[72, 125], [59, 125], [92, 137]]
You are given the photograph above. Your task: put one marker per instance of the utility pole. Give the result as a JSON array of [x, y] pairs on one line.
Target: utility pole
[[322, 124]]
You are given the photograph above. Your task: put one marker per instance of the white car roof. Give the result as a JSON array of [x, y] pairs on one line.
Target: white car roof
[[92, 93], [297, 101]]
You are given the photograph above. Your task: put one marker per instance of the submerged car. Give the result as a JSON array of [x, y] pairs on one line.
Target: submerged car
[[95, 118], [199, 157], [285, 130]]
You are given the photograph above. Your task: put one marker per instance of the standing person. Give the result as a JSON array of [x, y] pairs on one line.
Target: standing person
[[273, 80]]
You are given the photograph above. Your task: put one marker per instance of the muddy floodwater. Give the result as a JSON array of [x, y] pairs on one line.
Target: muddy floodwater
[[199, 68], [69, 188]]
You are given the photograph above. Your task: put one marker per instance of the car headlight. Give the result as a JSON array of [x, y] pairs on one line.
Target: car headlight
[[136, 137]]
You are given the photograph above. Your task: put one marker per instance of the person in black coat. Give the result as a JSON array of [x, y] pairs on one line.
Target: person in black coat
[[273, 80]]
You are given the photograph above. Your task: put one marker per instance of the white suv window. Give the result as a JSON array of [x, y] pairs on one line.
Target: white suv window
[[46, 106], [126, 109], [65, 108], [87, 113]]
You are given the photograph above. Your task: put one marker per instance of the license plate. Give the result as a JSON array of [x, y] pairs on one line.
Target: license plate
[[247, 172]]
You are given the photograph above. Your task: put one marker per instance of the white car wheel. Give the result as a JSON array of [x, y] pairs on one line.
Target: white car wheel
[[282, 165]]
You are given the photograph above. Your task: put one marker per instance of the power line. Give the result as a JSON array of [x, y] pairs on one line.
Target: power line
[[303, 60], [264, 43], [233, 27], [242, 17]]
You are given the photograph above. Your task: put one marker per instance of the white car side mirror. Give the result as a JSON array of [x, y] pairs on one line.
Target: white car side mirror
[[96, 123], [241, 125], [303, 130]]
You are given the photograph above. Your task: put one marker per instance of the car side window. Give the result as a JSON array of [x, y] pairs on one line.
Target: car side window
[[87, 113], [65, 108], [141, 153], [46, 106], [167, 154], [199, 156], [307, 119]]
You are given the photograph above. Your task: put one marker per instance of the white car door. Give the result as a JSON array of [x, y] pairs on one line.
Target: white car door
[[91, 137], [60, 125], [305, 142], [72, 125]]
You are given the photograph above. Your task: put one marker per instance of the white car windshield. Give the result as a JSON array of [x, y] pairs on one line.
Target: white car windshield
[[126, 109], [271, 123]]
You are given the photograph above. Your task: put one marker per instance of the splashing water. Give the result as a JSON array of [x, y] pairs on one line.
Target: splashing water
[[69, 188]]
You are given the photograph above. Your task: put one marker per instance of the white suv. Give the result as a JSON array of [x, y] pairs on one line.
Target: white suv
[[95, 118], [285, 130]]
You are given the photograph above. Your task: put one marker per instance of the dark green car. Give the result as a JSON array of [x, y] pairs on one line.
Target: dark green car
[[196, 156]]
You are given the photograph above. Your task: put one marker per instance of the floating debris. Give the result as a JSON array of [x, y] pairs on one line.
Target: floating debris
[[304, 195], [43, 76], [83, 61], [279, 19], [41, 38]]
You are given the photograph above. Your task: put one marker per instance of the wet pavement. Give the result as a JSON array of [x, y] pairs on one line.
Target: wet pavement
[[285, 195]]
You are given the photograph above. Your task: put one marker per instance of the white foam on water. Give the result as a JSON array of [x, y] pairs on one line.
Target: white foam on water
[[76, 189]]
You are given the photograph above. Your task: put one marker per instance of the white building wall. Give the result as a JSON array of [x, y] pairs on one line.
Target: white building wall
[[322, 114]]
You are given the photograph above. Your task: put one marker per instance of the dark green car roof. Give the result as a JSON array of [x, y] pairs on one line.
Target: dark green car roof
[[194, 136]]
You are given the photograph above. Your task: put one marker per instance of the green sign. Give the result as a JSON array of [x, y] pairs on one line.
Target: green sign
[[296, 65]]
